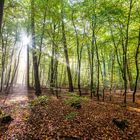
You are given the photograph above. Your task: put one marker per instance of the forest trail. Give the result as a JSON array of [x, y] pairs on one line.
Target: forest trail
[[18, 94], [16, 104]]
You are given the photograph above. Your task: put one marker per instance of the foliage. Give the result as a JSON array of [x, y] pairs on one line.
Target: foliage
[[74, 100], [71, 116], [76, 96], [39, 100], [72, 94]]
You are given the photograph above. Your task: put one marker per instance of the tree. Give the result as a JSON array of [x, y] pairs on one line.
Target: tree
[[137, 67], [1, 12], [35, 61], [71, 89], [78, 52]]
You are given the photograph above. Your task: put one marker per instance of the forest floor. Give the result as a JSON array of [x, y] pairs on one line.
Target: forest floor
[[55, 119]]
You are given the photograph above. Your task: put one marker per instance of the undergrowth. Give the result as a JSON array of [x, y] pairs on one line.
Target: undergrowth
[[71, 116], [39, 100]]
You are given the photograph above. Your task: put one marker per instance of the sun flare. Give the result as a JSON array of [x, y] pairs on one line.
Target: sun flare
[[25, 39]]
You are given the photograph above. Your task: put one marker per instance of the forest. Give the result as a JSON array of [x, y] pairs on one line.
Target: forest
[[69, 69]]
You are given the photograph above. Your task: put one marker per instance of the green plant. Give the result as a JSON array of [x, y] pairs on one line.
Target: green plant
[[71, 116], [39, 100], [71, 100], [72, 94], [75, 101], [76, 105]]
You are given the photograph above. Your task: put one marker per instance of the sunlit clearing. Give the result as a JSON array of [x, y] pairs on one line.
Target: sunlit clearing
[[18, 98], [20, 89], [21, 78], [22, 68]]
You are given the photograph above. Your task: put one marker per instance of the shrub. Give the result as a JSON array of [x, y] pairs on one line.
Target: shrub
[[75, 101], [76, 105], [71, 116], [72, 94], [40, 100]]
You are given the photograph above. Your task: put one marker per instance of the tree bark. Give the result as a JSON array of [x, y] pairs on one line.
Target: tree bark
[[112, 74], [137, 67], [91, 62], [71, 89], [28, 68], [98, 70], [35, 62], [79, 55], [125, 46], [1, 12]]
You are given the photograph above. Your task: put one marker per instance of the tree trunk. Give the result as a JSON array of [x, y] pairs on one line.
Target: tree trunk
[[130, 80], [137, 67], [28, 68], [98, 70], [91, 62], [1, 12], [52, 70], [125, 46], [35, 62], [71, 89], [79, 55], [112, 73]]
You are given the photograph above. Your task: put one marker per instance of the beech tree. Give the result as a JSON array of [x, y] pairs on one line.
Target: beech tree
[[85, 45], [1, 12], [35, 64]]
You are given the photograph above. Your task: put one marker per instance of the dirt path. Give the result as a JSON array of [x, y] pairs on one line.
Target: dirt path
[[16, 104]]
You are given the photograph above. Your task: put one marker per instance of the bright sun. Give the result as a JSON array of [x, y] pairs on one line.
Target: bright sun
[[25, 39]]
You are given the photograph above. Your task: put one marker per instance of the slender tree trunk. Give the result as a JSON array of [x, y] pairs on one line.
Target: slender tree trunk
[[1, 37], [52, 70], [137, 67], [71, 89], [78, 55], [129, 76], [16, 64], [103, 77], [3, 63], [28, 68], [91, 62], [7, 81], [112, 73], [125, 46], [124, 71], [35, 62], [1, 12], [98, 70]]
